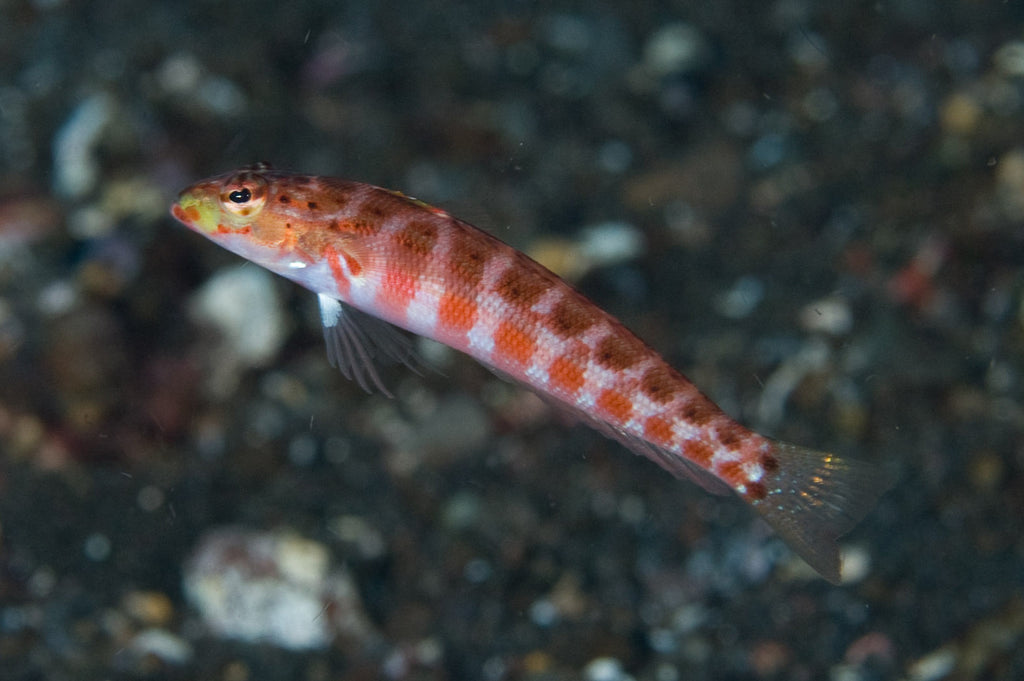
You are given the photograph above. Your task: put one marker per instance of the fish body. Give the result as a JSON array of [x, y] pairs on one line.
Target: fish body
[[378, 259]]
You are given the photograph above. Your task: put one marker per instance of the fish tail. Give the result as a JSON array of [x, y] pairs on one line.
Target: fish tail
[[815, 497]]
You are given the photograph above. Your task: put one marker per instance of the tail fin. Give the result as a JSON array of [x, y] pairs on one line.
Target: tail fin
[[813, 498]]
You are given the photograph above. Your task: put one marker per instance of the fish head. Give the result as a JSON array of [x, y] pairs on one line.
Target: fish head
[[223, 205]]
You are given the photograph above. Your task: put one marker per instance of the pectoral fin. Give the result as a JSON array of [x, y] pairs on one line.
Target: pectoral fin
[[356, 340]]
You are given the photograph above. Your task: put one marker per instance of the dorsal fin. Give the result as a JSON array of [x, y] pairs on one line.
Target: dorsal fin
[[355, 340]]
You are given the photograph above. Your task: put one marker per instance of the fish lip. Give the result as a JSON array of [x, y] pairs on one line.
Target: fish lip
[[179, 213]]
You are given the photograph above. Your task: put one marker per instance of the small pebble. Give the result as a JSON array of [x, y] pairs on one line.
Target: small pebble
[[273, 587], [1009, 59], [152, 608], [161, 644], [933, 666], [960, 113], [76, 169], [675, 48], [242, 303], [742, 299], [830, 315], [605, 669]]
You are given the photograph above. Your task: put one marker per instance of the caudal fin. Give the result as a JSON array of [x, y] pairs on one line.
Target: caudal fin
[[814, 498]]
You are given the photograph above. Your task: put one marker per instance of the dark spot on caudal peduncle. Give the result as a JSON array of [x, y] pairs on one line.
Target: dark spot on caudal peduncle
[[284, 198], [311, 205]]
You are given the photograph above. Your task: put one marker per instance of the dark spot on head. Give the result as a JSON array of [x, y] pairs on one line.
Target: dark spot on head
[[419, 236], [287, 225], [698, 411], [521, 286], [284, 198], [311, 205], [769, 463], [660, 384], [571, 317], [618, 352]]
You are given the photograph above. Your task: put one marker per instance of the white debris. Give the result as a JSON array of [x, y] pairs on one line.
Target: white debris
[[608, 243], [675, 48], [243, 305], [76, 170], [830, 315], [273, 587], [161, 644], [856, 562], [1009, 59], [742, 299], [605, 669], [814, 356]]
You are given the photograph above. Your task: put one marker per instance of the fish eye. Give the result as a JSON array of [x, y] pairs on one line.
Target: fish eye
[[244, 194]]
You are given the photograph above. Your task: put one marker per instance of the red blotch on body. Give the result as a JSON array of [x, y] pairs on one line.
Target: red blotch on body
[[334, 262], [456, 314], [618, 407], [565, 375], [699, 452], [658, 430], [397, 289], [512, 345], [732, 473]]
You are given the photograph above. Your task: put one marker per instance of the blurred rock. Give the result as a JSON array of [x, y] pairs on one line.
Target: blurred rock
[[243, 305], [273, 587]]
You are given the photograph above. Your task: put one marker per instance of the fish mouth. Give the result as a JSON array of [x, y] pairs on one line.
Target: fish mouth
[[194, 212], [179, 213]]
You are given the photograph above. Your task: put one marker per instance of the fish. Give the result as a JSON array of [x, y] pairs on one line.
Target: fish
[[381, 262]]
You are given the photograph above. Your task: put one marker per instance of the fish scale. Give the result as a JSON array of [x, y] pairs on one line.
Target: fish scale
[[376, 257]]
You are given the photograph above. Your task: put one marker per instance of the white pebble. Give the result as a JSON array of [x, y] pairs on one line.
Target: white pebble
[[272, 587], [856, 564], [830, 315], [76, 170], [162, 645], [675, 48], [933, 666], [608, 243], [742, 299], [242, 303], [1009, 58], [605, 669]]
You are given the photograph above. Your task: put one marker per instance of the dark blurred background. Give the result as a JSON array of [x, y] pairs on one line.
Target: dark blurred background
[[814, 210]]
